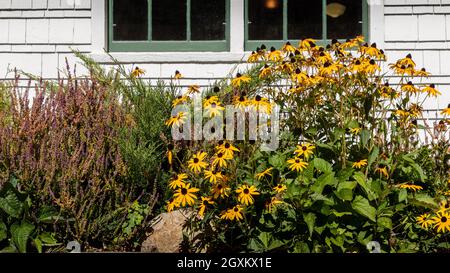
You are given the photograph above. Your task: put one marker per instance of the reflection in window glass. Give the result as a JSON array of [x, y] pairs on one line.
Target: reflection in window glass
[[169, 20], [130, 21], [207, 20], [265, 19], [344, 19], [304, 19]]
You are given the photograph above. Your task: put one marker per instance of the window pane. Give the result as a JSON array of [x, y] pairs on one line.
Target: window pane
[[169, 20], [207, 20], [304, 19], [266, 19], [130, 21], [344, 17]]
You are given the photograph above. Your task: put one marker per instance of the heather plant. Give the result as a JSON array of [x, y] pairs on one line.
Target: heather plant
[[350, 170], [62, 147]]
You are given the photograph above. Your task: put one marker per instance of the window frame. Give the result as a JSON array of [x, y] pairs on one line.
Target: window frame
[[250, 45], [168, 46]]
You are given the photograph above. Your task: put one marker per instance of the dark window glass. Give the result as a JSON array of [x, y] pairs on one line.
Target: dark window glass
[[169, 20], [265, 19], [130, 21], [304, 19], [344, 19], [207, 20]]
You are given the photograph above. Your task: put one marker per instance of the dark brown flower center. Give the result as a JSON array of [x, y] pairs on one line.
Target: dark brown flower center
[[297, 161], [184, 191], [219, 187], [219, 155], [246, 191], [205, 202], [227, 145], [258, 98], [304, 148], [444, 219], [235, 209], [241, 98], [196, 160]]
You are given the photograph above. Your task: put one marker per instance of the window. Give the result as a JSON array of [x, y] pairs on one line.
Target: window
[[273, 22], [168, 25]]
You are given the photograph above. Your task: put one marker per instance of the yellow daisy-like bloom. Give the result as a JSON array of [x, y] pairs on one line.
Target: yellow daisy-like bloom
[[407, 61], [221, 190], [246, 194], [178, 181], [288, 48], [264, 173], [360, 164], [221, 160], [177, 120], [328, 69], [270, 205], [422, 73], [306, 44], [357, 66], [209, 100], [234, 213], [424, 220], [180, 100], [213, 175], [265, 72], [240, 102], [372, 51], [214, 109], [382, 171], [401, 113], [197, 163], [193, 89], [431, 90], [355, 131], [446, 112], [442, 221], [444, 206], [239, 80], [178, 75], [305, 150], [227, 149], [411, 187], [297, 164], [280, 188], [137, 72], [323, 57], [372, 67], [185, 195], [171, 204], [410, 88], [275, 55], [261, 104], [299, 77], [253, 58], [204, 203]]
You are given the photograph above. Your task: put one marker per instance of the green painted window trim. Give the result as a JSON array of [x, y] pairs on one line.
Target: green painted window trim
[[253, 44], [168, 46]]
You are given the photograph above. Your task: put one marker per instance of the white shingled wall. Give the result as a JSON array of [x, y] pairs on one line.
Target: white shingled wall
[[36, 35]]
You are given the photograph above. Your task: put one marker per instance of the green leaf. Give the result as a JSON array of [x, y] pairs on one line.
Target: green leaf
[[424, 200], [310, 220], [21, 234], [373, 156], [11, 205], [322, 181], [278, 161], [361, 205], [345, 190], [385, 222], [361, 179], [3, 231], [402, 195], [365, 136], [322, 165], [38, 244]]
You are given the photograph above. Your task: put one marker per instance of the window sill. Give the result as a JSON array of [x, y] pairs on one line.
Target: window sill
[[171, 57]]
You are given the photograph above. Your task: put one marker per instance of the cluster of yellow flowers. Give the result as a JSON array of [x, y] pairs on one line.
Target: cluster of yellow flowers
[[439, 219]]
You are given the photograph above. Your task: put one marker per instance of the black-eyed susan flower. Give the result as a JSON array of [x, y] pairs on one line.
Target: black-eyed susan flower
[[297, 164], [444, 206], [280, 188], [266, 172], [178, 75], [359, 164], [239, 80], [422, 73], [180, 100], [227, 149], [265, 72], [220, 189], [178, 181], [371, 67], [275, 55], [208, 100], [197, 163], [407, 61], [446, 111], [442, 221], [220, 160], [328, 69], [299, 77], [409, 88], [253, 58], [193, 89], [431, 90], [240, 102], [272, 203], [307, 44], [424, 220], [232, 214], [382, 170], [355, 130], [323, 57], [214, 109], [169, 153], [171, 204], [186, 195], [204, 203], [246, 193], [288, 47], [261, 104], [213, 175], [177, 120], [411, 187], [305, 150], [137, 72]]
